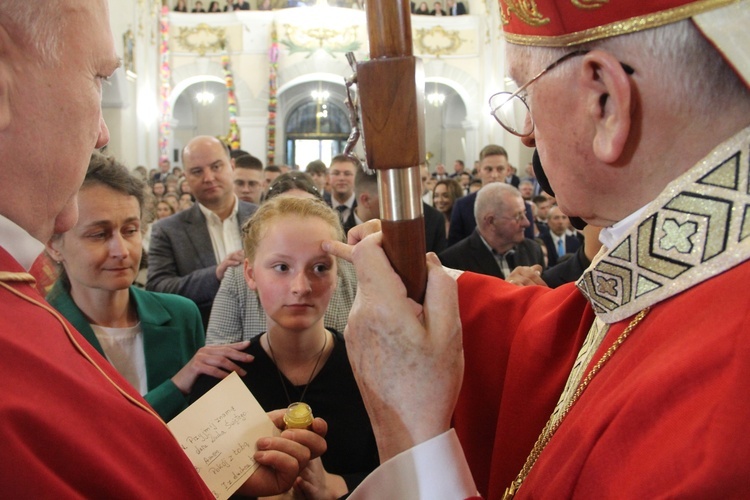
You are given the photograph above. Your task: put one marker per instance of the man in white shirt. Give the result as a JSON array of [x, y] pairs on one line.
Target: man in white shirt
[[190, 252]]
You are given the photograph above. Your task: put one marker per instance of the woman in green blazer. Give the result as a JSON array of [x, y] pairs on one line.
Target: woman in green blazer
[[156, 341]]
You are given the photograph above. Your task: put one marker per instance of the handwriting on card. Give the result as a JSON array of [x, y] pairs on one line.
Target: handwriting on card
[[218, 434]]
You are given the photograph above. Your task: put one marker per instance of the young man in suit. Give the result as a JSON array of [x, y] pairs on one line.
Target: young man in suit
[[493, 167], [190, 252], [341, 175]]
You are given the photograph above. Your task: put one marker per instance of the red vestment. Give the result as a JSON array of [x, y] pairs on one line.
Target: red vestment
[[665, 417], [65, 430]]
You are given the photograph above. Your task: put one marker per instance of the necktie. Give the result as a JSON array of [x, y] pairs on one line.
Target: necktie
[[561, 247], [341, 209]]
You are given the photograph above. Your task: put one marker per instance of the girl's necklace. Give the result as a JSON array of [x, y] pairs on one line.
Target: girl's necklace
[[312, 373]]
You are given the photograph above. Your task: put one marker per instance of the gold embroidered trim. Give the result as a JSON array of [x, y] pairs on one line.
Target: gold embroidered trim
[[631, 25], [17, 277], [588, 4], [526, 10], [697, 228]]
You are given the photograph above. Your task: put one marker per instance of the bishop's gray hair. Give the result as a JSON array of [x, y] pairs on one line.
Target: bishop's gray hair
[[676, 57]]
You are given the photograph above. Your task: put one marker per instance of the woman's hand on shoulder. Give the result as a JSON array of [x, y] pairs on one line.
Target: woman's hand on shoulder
[[213, 360]]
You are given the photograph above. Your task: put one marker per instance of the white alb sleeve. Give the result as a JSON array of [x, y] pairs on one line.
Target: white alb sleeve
[[435, 470]]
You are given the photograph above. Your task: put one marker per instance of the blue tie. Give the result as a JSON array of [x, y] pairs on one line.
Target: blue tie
[[341, 209], [561, 246]]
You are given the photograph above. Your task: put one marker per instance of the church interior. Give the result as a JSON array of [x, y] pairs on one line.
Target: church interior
[[273, 82]]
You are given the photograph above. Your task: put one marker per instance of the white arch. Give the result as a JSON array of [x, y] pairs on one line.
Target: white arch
[[187, 82]]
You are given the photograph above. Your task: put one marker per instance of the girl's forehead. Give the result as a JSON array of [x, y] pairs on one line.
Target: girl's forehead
[[297, 227]]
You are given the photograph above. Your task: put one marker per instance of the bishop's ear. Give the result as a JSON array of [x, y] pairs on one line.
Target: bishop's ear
[[609, 89]]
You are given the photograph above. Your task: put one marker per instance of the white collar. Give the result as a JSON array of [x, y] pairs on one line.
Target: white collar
[[610, 236], [211, 215], [19, 243]]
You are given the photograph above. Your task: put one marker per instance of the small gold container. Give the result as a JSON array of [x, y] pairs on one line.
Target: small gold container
[[298, 416]]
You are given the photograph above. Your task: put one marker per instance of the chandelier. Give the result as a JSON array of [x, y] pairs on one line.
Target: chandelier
[[204, 97], [436, 98], [320, 97]]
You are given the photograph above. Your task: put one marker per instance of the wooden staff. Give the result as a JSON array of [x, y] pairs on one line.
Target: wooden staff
[[391, 96]]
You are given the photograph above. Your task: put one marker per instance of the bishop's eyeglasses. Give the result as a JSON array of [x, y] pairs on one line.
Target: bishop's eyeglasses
[[511, 110]]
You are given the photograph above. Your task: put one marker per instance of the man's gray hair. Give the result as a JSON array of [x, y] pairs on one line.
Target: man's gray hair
[[36, 25], [491, 199]]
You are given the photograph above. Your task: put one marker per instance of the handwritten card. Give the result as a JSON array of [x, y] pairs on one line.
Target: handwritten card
[[218, 434]]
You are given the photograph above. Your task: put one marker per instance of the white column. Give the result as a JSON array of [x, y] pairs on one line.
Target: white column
[[253, 135]]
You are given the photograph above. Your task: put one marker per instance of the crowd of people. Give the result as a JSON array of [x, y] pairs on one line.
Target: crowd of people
[[451, 8], [507, 376], [224, 274]]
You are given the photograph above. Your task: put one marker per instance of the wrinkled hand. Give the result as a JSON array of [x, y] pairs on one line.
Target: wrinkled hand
[[526, 275], [314, 483], [407, 359], [231, 260], [214, 360], [359, 232], [283, 458]]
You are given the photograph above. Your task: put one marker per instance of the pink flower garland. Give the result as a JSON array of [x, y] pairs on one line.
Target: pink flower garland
[[233, 138], [165, 87], [273, 57]]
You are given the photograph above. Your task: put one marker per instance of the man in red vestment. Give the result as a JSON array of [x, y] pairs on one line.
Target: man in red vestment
[[631, 383], [71, 426]]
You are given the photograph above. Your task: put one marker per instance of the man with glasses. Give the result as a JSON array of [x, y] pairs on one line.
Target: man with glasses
[[497, 245], [626, 385], [248, 178]]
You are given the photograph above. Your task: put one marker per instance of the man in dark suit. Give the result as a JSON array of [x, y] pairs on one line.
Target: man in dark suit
[[558, 241], [493, 167], [511, 178], [163, 173], [237, 6], [367, 206], [543, 204], [455, 8], [190, 251], [318, 170], [497, 245], [341, 176]]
